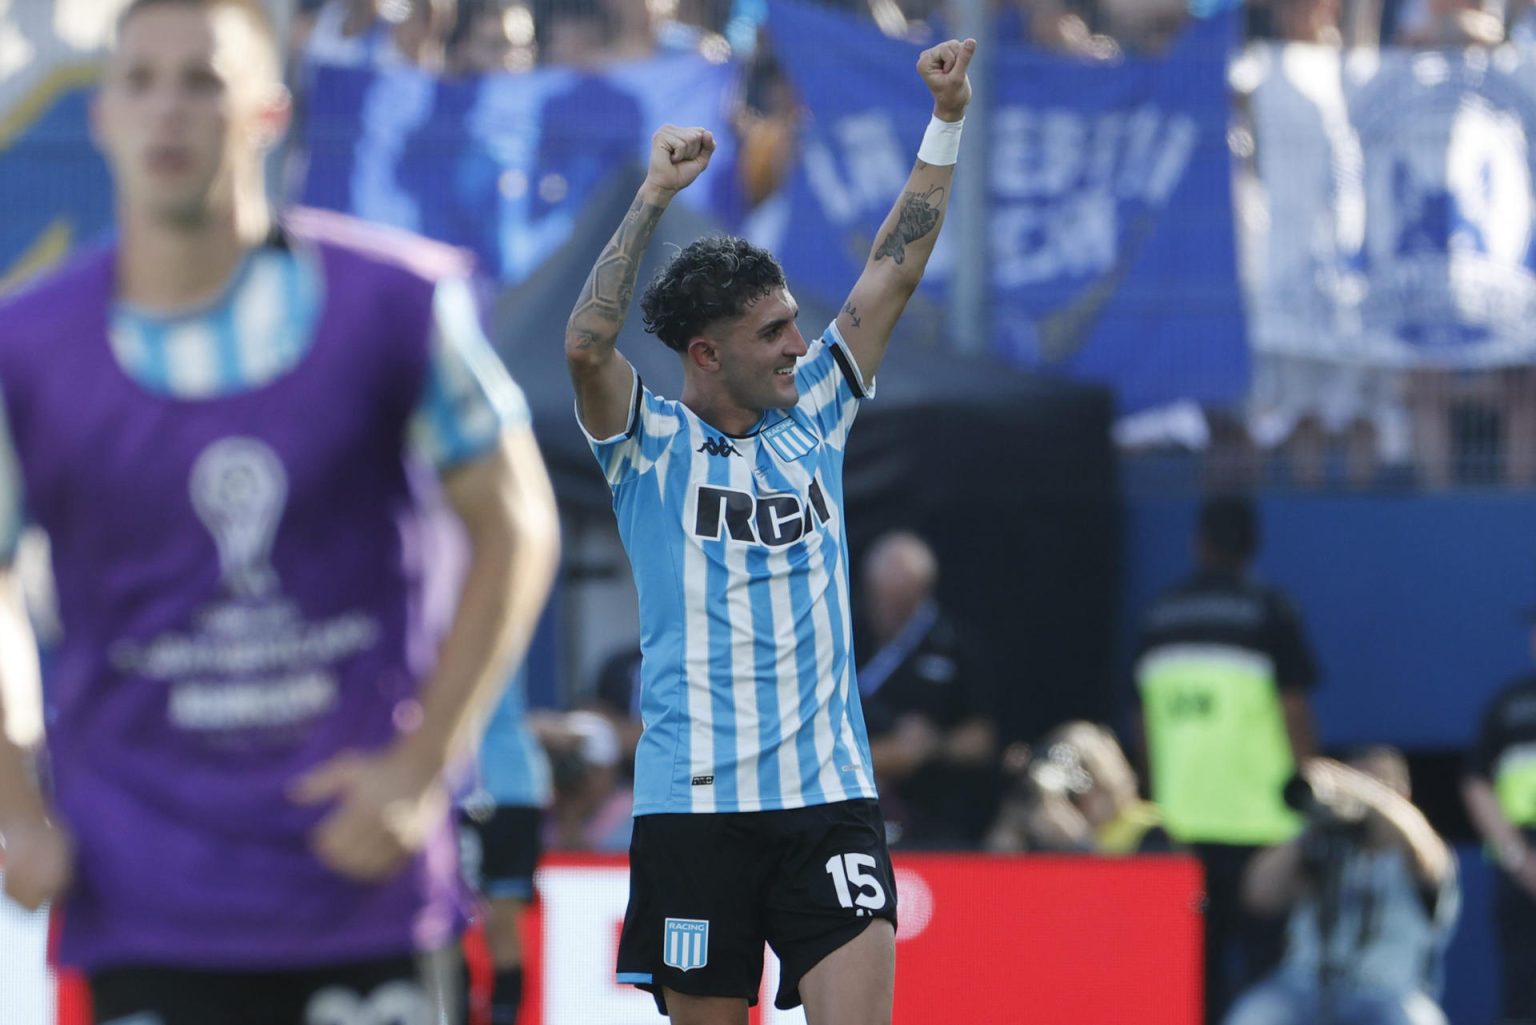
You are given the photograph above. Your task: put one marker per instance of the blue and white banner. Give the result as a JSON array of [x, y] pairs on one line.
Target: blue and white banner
[[1110, 220], [1392, 223], [503, 164]]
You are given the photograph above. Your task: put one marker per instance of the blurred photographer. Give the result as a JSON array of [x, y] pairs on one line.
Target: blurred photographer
[[1371, 891], [1078, 793], [593, 802]]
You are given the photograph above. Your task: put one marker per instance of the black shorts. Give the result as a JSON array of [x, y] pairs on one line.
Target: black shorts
[[399, 991], [500, 850], [706, 891]]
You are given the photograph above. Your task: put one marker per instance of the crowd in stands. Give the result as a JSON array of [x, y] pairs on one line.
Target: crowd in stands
[[1308, 422], [1441, 427]]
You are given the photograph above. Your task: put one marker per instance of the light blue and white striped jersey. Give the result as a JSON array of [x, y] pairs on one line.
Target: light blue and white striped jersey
[[1383, 932], [740, 558], [512, 768], [260, 326]]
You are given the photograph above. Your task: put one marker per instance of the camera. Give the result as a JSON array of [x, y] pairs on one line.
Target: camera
[[1327, 813], [1060, 773]]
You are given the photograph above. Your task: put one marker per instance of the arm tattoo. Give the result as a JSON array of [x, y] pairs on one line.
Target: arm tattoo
[[919, 215], [853, 313], [611, 285]]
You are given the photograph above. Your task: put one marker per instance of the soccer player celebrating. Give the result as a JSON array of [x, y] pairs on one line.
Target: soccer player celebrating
[[754, 799], [222, 423]]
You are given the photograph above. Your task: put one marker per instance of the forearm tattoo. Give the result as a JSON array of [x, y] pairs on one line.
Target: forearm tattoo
[[611, 286], [919, 215]]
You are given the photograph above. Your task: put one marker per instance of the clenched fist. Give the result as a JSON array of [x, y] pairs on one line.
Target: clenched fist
[[678, 156], [943, 70]]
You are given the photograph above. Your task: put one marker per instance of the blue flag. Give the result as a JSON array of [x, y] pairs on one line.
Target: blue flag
[[503, 164], [1110, 229]]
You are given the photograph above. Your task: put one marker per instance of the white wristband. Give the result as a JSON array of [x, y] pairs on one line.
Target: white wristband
[[941, 142]]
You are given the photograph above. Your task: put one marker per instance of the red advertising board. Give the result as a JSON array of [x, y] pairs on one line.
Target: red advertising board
[[983, 941]]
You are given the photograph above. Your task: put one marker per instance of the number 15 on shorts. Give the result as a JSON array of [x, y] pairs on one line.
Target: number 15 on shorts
[[855, 886]]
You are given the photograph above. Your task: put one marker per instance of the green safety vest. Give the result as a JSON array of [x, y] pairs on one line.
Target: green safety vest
[[1514, 781], [1217, 744]]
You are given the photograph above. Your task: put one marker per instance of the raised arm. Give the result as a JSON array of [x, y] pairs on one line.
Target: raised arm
[[906, 238], [602, 376], [1337, 785]]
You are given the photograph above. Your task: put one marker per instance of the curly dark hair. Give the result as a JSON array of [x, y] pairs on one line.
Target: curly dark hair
[[714, 278]]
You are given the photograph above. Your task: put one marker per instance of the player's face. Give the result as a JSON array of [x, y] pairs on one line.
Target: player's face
[[758, 353], [189, 104]]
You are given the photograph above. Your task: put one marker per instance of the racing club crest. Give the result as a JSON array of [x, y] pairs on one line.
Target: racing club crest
[[685, 942]]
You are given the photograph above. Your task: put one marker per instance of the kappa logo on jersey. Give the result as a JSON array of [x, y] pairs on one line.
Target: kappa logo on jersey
[[773, 520], [685, 942], [718, 447]]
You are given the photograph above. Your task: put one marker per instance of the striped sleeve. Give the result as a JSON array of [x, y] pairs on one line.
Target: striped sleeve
[[469, 396], [831, 385], [11, 510], [651, 426]]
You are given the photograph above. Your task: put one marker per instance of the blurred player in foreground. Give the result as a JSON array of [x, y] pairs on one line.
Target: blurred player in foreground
[[754, 796], [228, 427]]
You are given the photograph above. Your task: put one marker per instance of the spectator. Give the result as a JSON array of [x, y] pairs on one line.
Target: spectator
[[1222, 676], [422, 33], [767, 125], [1078, 794], [927, 699], [1500, 794], [1310, 405], [593, 806], [1371, 892], [373, 33], [617, 698], [1308, 21], [1147, 26], [1432, 24], [1055, 25], [1327, 22], [1475, 426], [694, 24], [911, 20], [633, 35], [491, 37], [572, 35]]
